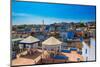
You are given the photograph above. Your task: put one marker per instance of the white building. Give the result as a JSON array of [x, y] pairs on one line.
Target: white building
[[85, 51], [92, 54], [88, 52]]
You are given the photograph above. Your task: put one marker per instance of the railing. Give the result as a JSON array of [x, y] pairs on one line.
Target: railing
[[37, 59]]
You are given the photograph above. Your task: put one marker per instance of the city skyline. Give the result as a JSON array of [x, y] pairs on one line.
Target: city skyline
[[35, 13]]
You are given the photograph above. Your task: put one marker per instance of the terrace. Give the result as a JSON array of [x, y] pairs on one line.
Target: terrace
[[42, 56]]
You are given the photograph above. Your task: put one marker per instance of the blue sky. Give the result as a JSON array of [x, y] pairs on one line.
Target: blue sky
[[35, 13]]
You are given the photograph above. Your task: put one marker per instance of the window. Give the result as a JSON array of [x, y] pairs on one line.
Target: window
[[86, 51]]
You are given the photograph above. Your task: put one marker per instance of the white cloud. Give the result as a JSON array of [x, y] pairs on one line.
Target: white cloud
[[21, 14]]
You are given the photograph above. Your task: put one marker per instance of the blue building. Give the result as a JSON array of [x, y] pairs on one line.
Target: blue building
[[70, 35]]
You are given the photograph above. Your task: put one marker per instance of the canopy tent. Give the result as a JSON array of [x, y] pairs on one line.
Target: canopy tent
[[52, 43], [30, 41]]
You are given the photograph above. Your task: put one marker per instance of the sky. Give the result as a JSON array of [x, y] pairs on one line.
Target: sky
[[36, 12]]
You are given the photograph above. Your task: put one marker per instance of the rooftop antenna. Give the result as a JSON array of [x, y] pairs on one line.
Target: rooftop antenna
[[42, 26]]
